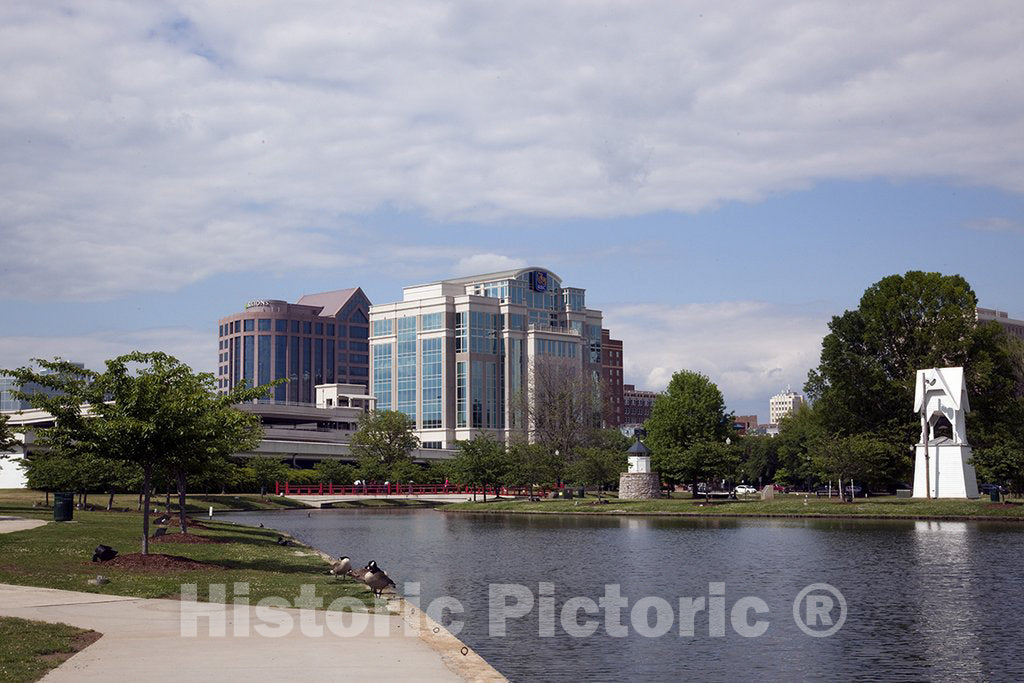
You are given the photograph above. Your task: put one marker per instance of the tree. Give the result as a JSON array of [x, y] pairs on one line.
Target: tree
[[148, 409], [7, 439], [1001, 464], [481, 461], [531, 464], [864, 383], [858, 457], [563, 405], [598, 466], [703, 461], [331, 471], [265, 471], [690, 411], [382, 441]]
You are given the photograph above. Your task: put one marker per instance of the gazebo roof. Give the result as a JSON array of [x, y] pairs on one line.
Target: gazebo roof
[[639, 449]]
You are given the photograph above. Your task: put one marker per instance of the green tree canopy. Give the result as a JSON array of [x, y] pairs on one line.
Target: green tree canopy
[[7, 440], [864, 383], [597, 467], [481, 461], [532, 464], [383, 442], [691, 410], [265, 471], [148, 409]]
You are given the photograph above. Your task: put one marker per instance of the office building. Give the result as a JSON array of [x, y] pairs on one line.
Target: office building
[[1014, 328], [611, 374], [745, 424], [464, 356], [321, 339], [8, 385], [783, 404], [637, 405]]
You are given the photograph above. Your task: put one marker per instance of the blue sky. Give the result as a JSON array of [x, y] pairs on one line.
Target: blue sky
[[721, 181]]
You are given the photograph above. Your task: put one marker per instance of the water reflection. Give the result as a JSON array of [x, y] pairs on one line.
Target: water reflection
[[918, 593]]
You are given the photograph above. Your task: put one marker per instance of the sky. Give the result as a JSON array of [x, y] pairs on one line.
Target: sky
[[721, 178]]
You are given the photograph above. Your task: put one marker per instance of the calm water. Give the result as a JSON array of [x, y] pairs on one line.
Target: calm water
[[925, 600]]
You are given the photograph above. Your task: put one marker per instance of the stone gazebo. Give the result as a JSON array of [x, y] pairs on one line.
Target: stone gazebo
[[639, 482]]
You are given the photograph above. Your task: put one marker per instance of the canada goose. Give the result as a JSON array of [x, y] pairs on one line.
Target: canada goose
[[282, 541], [342, 567], [376, 579]]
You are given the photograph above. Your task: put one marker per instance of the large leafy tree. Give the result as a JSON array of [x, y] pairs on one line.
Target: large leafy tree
[[531, 464], [148, 409], [7, 440], [598, 466], [691, 410], [702, 461], [481, 461], [864, 383], [383, 442]]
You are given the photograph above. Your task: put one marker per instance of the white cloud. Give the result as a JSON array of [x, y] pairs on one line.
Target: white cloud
[[197, 349], [149, 145], [486, 263], [996, 224], [751, 350]]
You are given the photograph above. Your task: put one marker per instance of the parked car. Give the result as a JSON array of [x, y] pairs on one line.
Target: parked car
[[986, 489], [744, 489]]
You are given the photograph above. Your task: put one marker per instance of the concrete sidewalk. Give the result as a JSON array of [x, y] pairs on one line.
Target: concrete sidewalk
[[142, 640], [11, 524]]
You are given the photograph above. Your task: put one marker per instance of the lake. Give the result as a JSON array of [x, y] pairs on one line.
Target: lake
[[923, 600]]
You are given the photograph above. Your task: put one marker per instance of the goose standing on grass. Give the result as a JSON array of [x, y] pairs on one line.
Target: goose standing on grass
[[376, 579], [342, 567]]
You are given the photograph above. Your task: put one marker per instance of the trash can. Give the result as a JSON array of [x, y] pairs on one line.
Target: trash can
[[582, 493], [994, 495], [63, 507], [567, 493]]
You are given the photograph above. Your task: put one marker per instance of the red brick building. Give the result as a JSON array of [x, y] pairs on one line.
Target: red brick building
[[611, 373]]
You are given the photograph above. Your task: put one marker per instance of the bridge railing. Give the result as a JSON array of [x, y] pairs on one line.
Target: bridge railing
[[289, 489]]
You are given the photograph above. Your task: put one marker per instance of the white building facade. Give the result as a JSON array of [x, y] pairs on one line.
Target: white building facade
[[783, 404], [459, 356]]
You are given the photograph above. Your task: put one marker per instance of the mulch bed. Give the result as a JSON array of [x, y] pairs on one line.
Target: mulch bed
[[155, 562], [183, 538]]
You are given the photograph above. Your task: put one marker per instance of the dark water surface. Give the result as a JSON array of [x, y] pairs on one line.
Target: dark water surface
[[925, 600]]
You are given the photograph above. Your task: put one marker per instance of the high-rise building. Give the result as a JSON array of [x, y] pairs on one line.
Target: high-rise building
[[321, 339], [8, 385], [637, 405], [464, 356], [1014, 328], [782, 404], [611, 373]]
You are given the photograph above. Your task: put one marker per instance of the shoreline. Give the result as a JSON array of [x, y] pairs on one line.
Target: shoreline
[[741, 515], [457, 656]]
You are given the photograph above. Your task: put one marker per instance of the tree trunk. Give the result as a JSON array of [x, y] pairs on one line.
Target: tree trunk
[[140, 497], [168, 505], [47, 492], [85, 499], [181, 501], [110, 500], [147, 473]]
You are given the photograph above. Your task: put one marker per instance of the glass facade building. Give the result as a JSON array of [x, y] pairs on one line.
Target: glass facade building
[[321, 339], [457, 356]]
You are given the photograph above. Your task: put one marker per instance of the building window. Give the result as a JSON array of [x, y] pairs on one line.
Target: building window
[[280, 365], [431, 399], [434, 445], [319, 328], [431, 321], [263, 364], [382, 328], [358, 346], [280, 325], [358, 358], [330, 329], [461, 332], [405, 366], [359, 332], [460, 394], [264, 325], [307, 327], [248, 324], [248, 359], [382, 375]]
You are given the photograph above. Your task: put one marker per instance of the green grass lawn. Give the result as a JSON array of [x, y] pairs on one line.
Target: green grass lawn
[[28, 649], [789, 504], [194, 504], [58, 556]]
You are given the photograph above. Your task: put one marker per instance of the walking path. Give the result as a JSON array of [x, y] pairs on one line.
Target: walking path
[[11, 524], [143, 640]]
